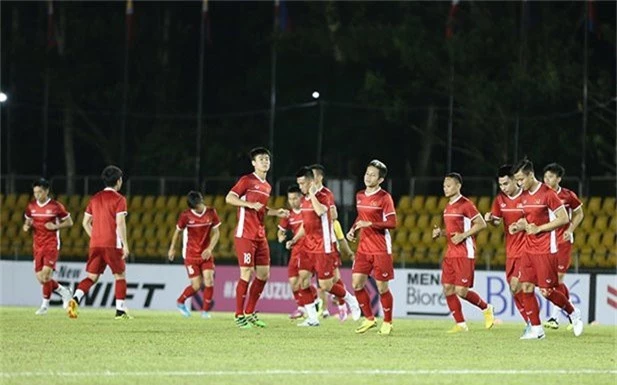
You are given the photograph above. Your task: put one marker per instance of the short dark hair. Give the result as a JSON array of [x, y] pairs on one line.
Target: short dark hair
[[556, 169], [111, 175], [42, 183], [194, 198], [305, 172], [294, 188], [455, 175], [379, 165], [259, 151], [319, 168], [524, 165], [505, 170]]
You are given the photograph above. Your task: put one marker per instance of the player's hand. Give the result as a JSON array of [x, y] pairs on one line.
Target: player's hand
[[436, 232], [312, 189], [125, 252], [282, 213], [351, 235], [488, 217], [171, 254], [362, 224], [51, 226], [206, 254], [281, 237], [568, 236], [521, 223], [255, 206], [457, 238], [513, 228], [289, 245], [532, 229]]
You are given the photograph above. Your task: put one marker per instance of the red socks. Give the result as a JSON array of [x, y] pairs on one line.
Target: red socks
[[518, 302], [561, 301], [85, 285], [365, 303], [338, 289], [532, 309], [473, 298], [121, 289], [241, 289], [254, 293], [187, 293], [386, 304], [563, 289], [207, 298], [454, 304]]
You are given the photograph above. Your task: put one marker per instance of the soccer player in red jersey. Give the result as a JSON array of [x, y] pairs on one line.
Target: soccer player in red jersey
[[319, 172], [544, 213], [376, 217], [462, 221], [294, 223], [105, 224], [319, 242], [250, 194], [199, 226], [507, 209], [45, 217], [565, 234]]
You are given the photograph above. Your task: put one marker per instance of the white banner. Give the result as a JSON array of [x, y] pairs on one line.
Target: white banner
[[606, 299], [418, 293]]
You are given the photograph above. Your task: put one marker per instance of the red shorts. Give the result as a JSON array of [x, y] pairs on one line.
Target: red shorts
[[194, 267], [513, 265], [45, 258], [539, 269], [324, 264], [251, 252], [564, 253], [337, 263], [380, 264], [101, 257], [294, 264], [458, 271]]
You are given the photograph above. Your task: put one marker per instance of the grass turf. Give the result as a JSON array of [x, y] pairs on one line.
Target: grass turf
[[163, 347]]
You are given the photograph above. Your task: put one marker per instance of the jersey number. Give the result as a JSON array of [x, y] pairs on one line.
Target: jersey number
[[190, 269], [247, 258]]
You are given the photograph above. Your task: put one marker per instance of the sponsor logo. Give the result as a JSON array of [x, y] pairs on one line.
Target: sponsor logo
[[611, 297]]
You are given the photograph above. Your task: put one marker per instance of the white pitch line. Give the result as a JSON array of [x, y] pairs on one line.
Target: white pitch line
[[284, 372]]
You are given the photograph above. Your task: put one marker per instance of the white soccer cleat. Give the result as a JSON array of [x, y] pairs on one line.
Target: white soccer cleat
[[354, 306], [66, 295], [41, 311], [533, 333], [309, 323], [577, 322]]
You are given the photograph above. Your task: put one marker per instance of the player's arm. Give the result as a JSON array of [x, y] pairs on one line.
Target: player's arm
[[281, 213], [342, 242], [281, 234], [87, 224], [561, 219], [171, 254], [65, 222], [492, 219], [27, 223], [319, 208], [333, 212], [121, 226], [295, 238], [577, 218], [388, 224], [233, 199], [215, 235], [351, 234], [477, 225]]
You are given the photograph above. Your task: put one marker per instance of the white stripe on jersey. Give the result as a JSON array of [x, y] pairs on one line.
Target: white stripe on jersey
[[327, 233], [185, 241], [468, 240], [553, 243], [240, 228]]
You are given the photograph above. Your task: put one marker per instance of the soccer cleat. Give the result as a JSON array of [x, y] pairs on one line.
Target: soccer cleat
[[255, 321], [386, 329], [319, 306], [242, 322], [66, 296], [551, 323], [366, 325], [342, 313], [489, 317], [41, 311], [458, 329], [530, 334], [309, 323], [325, 313], [527, 328], [577, 322], [183, 309], [296, 314], [205, 315], [354, 306], [122, 315], [72, 307]]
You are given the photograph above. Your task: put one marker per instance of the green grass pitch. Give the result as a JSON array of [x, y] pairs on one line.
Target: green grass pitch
[[165, 348]]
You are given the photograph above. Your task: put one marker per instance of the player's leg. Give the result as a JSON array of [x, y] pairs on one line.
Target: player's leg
[[195, 283], [262, 274], [563, 264], [41, 276], [529, 278], [448, 279], [95, 266], [512, 268], [113, 258], [208, 280], [294, 284], [308, 294], [325, 264], [383, 272], [245, 252]]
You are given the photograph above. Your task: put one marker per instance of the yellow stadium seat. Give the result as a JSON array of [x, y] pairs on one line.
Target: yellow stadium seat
[[173, 203], [17, 218], [136, 203], [74, 202], [593, 240], [613, 223], [163, 235], [484, 204], [580, 239], [280, 202], [219, 202], [473, 199], [436, 220], [414, 237], [85, 199], [62, 198], [171, 219], [10, 200], [427, 237], [404, 204], [587, 223], [482, 238], [417, 203], [400, 238], [133, 219], [608, 239], [22, 200], [410, 221], [594, 205], [608, 206], [159, 219], [160, 203], [601, 223], [430, 205], [496, 238], [209, 200], [148, 203], [423, 221], [443, 201]]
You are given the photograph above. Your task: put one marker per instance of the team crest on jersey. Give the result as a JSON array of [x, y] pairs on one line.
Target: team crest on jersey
[[374, 203], [256, 187], [48, 211], [503, 205], [191, 222], [537, 201]]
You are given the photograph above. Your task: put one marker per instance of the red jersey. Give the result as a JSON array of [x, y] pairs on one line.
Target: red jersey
[[104, 207], [509, 210], [375, 207], [251, 188], [457, 217], [318, 229], [293, 223], [50, 211], [539, 207], [196, 229], [570, 201], [330, 195]]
